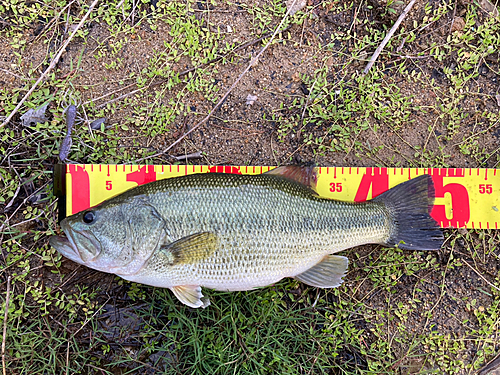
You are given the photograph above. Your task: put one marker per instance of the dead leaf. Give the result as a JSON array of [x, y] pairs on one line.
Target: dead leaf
[[96, 124], [458, 24], [497, 97], [72, 28], [251, 99], [295, 5], [35, 115]]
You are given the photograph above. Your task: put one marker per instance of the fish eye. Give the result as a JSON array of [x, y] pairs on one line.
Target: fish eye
[[88, 217]]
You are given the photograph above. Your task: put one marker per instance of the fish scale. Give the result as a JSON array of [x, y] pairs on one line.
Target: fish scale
[[275, 225], [236, 232]]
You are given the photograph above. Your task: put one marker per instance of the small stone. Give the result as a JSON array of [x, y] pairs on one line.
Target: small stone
[[296, 77], [295, 5], [489, 6], [251, 99]]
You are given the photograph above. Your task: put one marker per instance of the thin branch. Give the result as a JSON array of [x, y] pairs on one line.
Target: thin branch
[[7, 300], [14, 74], [389, 36], [92, 317], [7, 220], [7, 23], [243, 46], [108, 94], [49, 24], [490, 366], [252, 63], [195, 155], [51, 66], [13, 198], [481, 276], [28, 220]]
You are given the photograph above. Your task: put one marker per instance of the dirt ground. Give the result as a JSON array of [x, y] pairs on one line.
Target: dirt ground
[[436, 312]]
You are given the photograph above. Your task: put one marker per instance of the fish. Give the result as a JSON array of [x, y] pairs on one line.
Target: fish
[[232, 232]]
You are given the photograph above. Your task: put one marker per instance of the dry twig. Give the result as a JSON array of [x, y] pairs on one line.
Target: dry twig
[[51, 66], [389, 36], [195, 155], [481, 276], [490, 368], [7, 300]]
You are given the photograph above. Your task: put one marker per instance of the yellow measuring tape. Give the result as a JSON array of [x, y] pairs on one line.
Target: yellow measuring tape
[[465, 197]]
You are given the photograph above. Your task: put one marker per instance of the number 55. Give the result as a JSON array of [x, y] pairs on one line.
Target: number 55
[[488, 189]]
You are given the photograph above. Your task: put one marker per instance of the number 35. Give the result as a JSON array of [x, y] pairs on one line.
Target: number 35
[[336, 187]]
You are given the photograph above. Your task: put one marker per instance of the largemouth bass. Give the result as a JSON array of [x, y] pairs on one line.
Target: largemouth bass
[[238, 232]]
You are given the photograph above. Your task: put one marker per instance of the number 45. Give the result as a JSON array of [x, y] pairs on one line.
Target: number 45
[[483, 188]]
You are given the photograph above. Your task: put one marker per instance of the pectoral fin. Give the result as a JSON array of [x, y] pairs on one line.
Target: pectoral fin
[[190, 295], [190, 249], [326, 274]]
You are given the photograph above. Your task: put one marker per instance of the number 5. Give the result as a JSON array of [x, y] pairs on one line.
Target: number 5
[[460, 209], [109, 185]]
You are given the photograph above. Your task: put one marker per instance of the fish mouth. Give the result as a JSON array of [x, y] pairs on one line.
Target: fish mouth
[[78, 246], [66, 247]]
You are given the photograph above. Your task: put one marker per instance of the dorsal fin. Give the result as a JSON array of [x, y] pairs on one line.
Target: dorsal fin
[[304, 175]]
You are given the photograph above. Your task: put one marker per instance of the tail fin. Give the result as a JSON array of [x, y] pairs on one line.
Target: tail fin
[[410, 204]]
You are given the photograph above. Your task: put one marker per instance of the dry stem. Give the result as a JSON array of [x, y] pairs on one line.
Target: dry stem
[[7, 300], [389, 36]]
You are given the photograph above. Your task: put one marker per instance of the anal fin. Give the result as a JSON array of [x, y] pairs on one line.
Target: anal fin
[[190, 295], [326, 274]]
